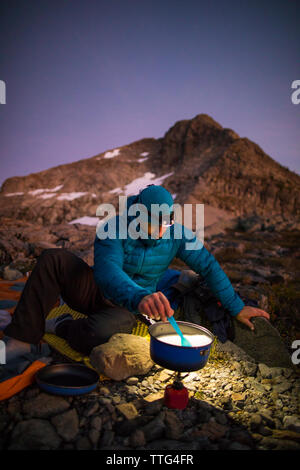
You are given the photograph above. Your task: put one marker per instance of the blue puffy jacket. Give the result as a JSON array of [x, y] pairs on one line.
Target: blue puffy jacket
[[126, 270]]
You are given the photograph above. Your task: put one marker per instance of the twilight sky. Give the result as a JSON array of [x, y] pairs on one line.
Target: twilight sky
[[85, 76]]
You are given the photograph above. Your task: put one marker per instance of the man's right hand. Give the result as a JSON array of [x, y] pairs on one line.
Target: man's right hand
[[156, 306]]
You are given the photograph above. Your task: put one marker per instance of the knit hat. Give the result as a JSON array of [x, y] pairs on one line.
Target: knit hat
[[158, 195]]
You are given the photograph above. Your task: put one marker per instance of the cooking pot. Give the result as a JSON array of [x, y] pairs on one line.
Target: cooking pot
[[179, 358], [67, 379]]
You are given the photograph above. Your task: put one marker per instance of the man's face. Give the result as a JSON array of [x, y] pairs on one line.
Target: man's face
[[154, 231]]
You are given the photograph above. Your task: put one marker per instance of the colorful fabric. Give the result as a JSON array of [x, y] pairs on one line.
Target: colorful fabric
[[11, 290], [15, 384]]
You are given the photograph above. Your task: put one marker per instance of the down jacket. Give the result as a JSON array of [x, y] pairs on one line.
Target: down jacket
[[128, 269]]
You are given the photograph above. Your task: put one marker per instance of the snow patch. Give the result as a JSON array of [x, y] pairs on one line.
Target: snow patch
[[13, 194], [112, 154], [144, 154], [35, 192], [47, 196], [115, 191], [86, 220], [140, 183], [141, 160], [71, 196]]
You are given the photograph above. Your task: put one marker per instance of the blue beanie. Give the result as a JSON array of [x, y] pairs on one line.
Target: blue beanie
[[154, 194]]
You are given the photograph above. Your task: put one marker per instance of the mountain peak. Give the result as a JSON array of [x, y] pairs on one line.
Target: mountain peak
[[197, 160]]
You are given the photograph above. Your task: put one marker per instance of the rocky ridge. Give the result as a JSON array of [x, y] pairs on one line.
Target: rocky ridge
[[197, 160]]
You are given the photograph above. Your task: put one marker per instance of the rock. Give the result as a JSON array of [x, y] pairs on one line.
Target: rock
[[91, 409], [286, 434], [127, 427], [174, 426], [278, 371], [123, 356], [255, 422], [104, 391], [104, 401], [128, 410], [11, 274], [34, 434], [83, 443], [154, 396], [267, 418], [258, 387], [212, 430], [153, 408], [238, 446], [238, 396], [233, 349], [137, 438], [249, 368], [264, 430], [265, 371], [67, 424], [116, 400], [96, 423], [238, 387], [241, 436], [107, 438], [45, 406], [287, 445], [23, 265], [94, 436], [292, 423], [132, 381], [282, 387], [264, 344], [154, 429]]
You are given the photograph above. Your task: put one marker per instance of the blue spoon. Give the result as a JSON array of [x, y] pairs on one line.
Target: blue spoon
[[184, 341]]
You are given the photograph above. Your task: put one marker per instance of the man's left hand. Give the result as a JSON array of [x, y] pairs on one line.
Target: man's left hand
[[249, 312]]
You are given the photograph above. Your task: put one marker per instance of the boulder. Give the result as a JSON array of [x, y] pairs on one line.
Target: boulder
[[45, 406], [11, 274], [264, 344], [67, 424], [123, 356], [34, 434], [292, 423]]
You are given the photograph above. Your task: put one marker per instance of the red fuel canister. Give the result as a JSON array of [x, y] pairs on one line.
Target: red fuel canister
[[176, 396]]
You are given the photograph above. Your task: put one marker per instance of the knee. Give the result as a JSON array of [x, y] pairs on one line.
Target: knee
[[103, 327], [50, 253]]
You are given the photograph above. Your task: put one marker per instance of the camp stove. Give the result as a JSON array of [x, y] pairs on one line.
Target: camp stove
[[176, 394], [178, 358]]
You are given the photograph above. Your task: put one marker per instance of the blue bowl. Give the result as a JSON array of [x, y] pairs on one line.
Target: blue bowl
[[179, 358]]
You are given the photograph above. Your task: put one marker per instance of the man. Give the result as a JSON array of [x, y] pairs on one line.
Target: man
[[130, 276]]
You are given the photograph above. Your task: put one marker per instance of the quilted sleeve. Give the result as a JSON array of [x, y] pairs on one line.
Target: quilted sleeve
[[204, 263], [109, 275]]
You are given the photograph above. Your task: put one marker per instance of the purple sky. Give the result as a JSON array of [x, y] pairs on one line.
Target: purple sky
[[85, 76]]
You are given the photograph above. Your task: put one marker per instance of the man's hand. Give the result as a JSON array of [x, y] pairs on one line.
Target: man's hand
[[249, 312], [156, 306]]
